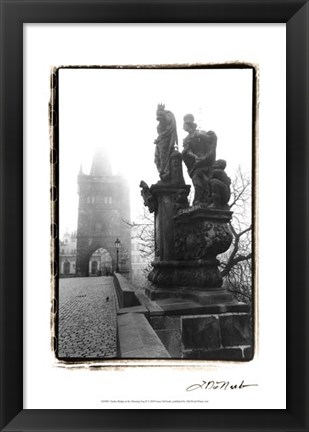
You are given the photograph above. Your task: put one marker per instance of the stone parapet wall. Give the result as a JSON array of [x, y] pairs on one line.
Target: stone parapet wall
[[137, 339], [125, 293]]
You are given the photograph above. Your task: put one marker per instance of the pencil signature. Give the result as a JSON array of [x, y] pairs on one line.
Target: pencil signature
[[219, 385]]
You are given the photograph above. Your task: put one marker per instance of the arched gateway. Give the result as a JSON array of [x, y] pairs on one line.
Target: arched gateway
[[104, 205]]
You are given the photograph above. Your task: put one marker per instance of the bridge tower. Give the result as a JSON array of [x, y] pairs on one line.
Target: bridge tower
[[104, 206]]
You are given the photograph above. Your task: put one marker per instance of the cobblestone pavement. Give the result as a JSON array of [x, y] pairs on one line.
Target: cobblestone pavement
[[87, 318]]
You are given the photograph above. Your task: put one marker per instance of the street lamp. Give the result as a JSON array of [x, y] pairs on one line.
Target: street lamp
[[117, 245]]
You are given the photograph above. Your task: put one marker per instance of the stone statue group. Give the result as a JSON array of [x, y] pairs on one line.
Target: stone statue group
[[188, 238], [210, 181]]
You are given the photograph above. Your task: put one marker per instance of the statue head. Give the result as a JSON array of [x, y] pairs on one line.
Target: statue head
[[188, 123], [160, 111]]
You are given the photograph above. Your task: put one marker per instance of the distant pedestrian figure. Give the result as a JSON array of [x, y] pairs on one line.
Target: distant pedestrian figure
[[107, 299]]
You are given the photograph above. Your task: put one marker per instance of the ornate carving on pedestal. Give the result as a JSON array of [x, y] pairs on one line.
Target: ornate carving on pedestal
[[186, 274], [202, 240], [149, 199], [202, 233]]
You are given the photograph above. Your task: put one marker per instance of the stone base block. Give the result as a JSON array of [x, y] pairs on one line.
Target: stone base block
[[229, 354], [223, 334], [188, 324]]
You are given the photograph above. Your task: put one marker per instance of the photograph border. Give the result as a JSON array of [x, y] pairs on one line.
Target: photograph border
[[13, 15], [54, 118]]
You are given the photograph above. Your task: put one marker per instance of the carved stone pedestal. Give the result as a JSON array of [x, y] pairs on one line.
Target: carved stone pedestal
[[208, 229], [193, 239], [194, 316]]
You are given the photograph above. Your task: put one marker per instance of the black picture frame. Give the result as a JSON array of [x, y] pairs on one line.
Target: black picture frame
[[13, 14]]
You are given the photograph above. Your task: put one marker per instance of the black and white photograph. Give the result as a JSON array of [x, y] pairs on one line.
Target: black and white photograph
[[155, 212]]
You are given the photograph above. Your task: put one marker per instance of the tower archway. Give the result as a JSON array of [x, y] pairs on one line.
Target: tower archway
[[100, 263]]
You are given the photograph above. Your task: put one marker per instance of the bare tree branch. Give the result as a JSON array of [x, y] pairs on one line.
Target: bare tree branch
[[233, 262]]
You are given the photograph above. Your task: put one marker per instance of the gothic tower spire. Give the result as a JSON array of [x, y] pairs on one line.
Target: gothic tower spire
[[101, 165]]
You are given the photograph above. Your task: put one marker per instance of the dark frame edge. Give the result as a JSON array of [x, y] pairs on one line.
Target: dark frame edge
[[297, 136], [11, 213], [295, 418]]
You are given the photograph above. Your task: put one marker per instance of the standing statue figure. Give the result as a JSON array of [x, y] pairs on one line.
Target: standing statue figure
[[166, 142], [211, 183]]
